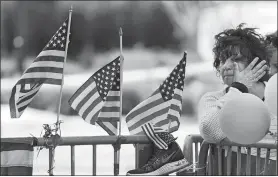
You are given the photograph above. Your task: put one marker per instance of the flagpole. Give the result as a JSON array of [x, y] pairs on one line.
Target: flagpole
[[66, 52], [52, 149], [118, 146], [121, 79]]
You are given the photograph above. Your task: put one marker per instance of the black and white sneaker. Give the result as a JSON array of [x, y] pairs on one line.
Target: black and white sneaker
[[162, 162]]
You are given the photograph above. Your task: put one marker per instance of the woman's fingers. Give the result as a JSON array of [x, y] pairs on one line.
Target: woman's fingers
[[259, 66], [260, 71], [252, 64], [260, 76]]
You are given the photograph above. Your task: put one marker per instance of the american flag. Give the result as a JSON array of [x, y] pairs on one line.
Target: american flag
[[98, 99], [163, 105], [46, 68], [17, 158]]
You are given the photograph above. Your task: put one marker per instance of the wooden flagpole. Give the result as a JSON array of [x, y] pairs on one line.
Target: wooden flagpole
[[52, 149]]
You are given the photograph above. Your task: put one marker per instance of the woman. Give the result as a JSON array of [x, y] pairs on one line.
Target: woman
[[242, 62], [271, 41]]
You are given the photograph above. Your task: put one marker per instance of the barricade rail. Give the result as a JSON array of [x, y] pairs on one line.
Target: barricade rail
[[208, 155], [86, 140]]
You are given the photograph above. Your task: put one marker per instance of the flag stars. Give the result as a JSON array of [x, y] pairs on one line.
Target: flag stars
[[108, 79], [59, 38], [173, 81]]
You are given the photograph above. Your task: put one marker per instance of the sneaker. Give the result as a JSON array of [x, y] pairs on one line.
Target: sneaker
[[162, 162]]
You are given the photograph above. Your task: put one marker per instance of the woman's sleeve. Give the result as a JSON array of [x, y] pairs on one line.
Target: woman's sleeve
[[208, 115]]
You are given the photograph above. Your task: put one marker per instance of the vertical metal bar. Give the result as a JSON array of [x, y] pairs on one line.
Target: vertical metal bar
[[219, 155], [258, 162], [266, 162], [50, 166], [210, 161], [137, 156], [238, 159], [276, 162], [72, 160], [229, 161], [144, 153], [196, 152], [248, 163], [116, 161], [117, 150], [94, 160]]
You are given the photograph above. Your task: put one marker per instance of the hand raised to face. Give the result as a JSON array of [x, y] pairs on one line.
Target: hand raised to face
[[250, 74]]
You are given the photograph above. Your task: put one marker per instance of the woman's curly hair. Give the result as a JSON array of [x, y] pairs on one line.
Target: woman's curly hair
[[239, 41], [271, 39]]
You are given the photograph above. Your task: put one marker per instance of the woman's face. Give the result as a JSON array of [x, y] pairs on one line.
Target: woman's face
[[226, 67]]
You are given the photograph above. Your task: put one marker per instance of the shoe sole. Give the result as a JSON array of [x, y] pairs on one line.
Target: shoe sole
[[165, 169]]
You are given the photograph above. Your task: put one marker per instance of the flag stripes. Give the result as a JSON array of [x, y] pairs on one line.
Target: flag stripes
[[16, 159], [23, 97], [149, 131], [109, 126], [49, 53], [163, 107], [155, 110], [47, 68], [98, 99]]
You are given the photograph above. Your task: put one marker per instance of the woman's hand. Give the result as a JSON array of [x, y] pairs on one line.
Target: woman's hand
[[250, 74]]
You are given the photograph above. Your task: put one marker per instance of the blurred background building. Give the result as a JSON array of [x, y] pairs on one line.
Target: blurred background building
[[155, 35]]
